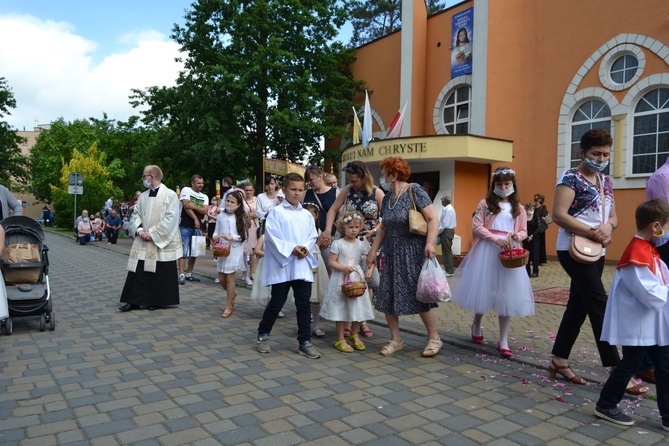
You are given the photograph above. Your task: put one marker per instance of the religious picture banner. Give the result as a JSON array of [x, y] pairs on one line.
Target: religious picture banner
[[462, 39]]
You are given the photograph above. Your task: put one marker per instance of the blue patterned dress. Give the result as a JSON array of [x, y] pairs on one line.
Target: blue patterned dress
[[366, 205], [403, 256]]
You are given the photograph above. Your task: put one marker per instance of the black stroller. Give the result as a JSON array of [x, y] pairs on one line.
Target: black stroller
[[27, 283]]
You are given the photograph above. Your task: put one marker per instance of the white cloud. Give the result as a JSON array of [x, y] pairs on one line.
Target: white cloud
[[52, 72]]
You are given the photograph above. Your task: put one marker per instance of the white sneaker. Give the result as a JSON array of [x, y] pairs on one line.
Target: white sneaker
[[182, 279], [281, 314], [217, 280]]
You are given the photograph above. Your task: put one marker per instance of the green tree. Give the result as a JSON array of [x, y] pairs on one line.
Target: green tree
[[11, 159], [97, 185], [258, 76], [125, 144], [373, 19]]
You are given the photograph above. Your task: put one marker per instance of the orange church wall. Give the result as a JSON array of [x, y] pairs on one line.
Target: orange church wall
[[378, 64], [468, 191]]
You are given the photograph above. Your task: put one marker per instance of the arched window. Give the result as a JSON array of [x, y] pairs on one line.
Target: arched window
[[457, 110], [593, 114], [651, 131]]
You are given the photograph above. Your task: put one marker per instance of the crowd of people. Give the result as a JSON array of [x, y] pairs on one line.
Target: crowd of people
[[302, 240]]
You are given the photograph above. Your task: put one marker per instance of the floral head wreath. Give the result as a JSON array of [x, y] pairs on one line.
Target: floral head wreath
[[504, 172], [351, 217], [308, 203]]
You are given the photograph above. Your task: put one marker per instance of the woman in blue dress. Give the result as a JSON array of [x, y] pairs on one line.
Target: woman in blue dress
[[404, 256]]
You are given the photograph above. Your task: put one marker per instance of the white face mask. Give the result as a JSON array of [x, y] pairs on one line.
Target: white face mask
[[146, 183], [384, 185], [503, 193], [530, 214]]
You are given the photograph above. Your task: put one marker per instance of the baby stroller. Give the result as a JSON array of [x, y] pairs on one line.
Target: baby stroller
[[26, 281]]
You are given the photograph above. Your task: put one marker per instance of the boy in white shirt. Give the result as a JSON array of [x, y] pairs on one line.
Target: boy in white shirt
[[637, 314], [290, 236]]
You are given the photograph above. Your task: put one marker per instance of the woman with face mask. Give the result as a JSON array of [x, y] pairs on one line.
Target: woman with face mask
[[579, 208]]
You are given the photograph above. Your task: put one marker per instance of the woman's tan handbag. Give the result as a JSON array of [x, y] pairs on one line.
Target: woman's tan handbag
[[582, 249], [417, 222]]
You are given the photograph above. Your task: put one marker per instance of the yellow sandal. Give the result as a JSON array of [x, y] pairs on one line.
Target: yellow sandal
[[343, 346], [357, 343]]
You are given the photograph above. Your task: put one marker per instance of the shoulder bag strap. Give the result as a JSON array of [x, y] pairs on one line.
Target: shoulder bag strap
[[601, 194], [413, 203], [319, 202]]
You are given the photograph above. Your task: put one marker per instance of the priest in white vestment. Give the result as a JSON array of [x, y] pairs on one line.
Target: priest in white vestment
[[152, 280]]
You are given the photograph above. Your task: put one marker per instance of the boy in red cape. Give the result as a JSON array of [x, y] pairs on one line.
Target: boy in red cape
[[637, 314]]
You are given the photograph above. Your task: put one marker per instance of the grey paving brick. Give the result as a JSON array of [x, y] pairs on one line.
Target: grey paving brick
[[242, 435], [142, 433], [110, 428]]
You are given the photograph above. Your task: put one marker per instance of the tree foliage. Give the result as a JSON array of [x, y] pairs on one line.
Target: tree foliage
[[125, 145], [11, 158], [92, 165], [262, 76], [373, 19]]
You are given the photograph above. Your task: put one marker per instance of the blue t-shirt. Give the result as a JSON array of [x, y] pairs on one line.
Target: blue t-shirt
[[113, 221]]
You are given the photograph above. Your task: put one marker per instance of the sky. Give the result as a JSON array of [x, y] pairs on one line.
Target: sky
[[79, 58]]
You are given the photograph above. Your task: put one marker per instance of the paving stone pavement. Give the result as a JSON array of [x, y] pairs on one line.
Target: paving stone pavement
[[185, 376]]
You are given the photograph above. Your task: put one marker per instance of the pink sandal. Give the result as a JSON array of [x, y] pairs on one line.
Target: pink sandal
[[364, 329]]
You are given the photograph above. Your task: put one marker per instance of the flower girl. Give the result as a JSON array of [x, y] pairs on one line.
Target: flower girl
[[345, 259], [231, 226]]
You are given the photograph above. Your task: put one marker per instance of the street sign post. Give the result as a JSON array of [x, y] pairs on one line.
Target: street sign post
[[76, 187]]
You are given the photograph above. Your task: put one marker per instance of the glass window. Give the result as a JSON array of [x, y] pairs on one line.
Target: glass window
[[624, 68], [594, 114], [457, 111], [651, 131]]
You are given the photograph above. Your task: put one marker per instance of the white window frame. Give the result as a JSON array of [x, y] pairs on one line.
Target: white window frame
[[633, 115], [612, 56], [577, 107], [439, 105]]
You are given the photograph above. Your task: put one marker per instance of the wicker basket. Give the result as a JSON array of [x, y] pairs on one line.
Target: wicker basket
[[352, 288], [221, 249], [514, 258]]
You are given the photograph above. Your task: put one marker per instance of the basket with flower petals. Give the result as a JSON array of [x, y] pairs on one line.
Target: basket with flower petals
[[514, 257], [353, 288], [221, 248]]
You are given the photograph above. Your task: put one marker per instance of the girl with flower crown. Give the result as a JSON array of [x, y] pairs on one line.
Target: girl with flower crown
[[482, 283], [345, 255]]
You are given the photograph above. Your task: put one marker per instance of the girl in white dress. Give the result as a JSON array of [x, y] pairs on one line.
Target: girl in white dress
[[481, 283], [345, 256], [321, 279], [231, 225]]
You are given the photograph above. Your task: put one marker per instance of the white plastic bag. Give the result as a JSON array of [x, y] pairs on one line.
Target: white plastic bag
[[432, 284], [198, 245]]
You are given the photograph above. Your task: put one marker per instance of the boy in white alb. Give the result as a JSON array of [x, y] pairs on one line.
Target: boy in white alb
[[290, 236], [637, 314]]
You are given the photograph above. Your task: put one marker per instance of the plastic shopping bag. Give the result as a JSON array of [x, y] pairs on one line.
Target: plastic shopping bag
[[198, 245], [432, 284]]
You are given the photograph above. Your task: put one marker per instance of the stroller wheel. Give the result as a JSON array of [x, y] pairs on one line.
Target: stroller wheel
[[52, 322], [42, 322], [7, 326]]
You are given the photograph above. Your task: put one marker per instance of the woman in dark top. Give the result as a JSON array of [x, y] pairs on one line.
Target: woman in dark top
[[320, 194]]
